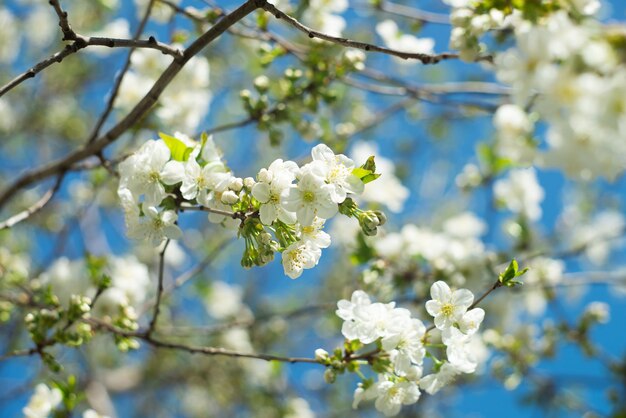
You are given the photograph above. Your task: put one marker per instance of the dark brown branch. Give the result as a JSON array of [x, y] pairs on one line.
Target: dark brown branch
[[311, 33], [68, 32], [81, 42]]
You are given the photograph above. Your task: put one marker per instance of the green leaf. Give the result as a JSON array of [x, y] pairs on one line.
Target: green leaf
[[366, 173], [178, 149], [511, 272]]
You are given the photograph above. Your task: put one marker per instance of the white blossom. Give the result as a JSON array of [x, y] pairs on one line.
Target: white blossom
[[309, 198], [447, 307], [337, 171], [42, 402], [433, 383], [314, 234], [298, 257], [391, 396], [155, 226], [272, 182], [144, 172], [521, 193]]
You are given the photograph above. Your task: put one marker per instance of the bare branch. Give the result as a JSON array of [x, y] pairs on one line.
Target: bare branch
[[157, 303], [311, 33], [68, 32], [36, 207], [212, 351]]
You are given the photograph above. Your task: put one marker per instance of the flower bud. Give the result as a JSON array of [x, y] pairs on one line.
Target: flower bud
[[330, 376], [321, 354], [229, 197], [265, 176], [249, 182], [236, 184], [261, 83]]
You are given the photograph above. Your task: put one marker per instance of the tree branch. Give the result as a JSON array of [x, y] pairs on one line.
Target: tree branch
[[157, 304], [311, 33], [36, 207]]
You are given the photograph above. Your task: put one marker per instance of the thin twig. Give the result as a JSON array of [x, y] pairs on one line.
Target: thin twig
[[311, 33], [157, 304], [213, 351], [36, 207]]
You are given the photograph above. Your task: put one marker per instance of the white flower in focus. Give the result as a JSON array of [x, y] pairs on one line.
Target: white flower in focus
[[471, 320], [337, 171], [345, 308], [311, 197], [521, 193], [433, 383], [155, 226], [298, 257], [405, 344], [272, 182], [370, 322], [144, 171], [447, 307], [197, 180], [391, 396], [314, 234], [42, 402]]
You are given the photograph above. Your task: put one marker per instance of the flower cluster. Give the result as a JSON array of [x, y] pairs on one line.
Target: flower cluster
[[184, 102], [283, 210], [127, 287], [403, 343], [574, 64], [454, 251]]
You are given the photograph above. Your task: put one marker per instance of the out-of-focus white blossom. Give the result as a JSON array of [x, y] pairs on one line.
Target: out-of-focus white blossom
[[42, 402], [521, 193]]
